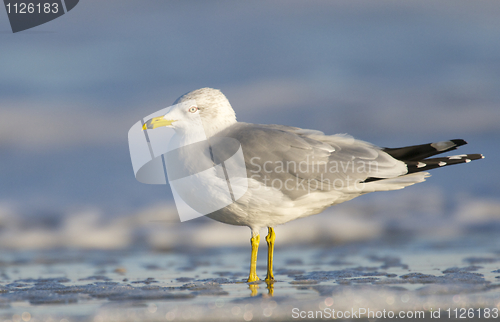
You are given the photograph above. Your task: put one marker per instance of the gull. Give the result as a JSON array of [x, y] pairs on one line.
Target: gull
[[291, 172]]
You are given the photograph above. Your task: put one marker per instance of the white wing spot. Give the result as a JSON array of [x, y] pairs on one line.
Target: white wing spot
[[421, 165], [457, 157], [441, 163], [467, 160], [443, 145]]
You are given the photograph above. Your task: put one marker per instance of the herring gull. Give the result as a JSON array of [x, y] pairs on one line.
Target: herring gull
[[291, 172]]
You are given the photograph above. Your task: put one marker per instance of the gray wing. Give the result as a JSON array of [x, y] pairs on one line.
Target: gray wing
[[298, 161]]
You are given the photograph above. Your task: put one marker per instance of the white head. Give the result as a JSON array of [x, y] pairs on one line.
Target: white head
[[211, 114]]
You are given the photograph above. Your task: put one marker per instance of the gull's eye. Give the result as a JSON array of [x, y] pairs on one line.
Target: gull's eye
[[193, 109]]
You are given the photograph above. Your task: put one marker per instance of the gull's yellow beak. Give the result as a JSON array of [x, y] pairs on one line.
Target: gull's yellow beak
[[156, 122]]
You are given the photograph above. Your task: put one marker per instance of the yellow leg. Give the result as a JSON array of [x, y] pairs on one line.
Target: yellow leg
[[271, 236], [254, 241]]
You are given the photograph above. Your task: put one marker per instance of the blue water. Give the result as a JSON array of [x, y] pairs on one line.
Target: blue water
[[392, 75]]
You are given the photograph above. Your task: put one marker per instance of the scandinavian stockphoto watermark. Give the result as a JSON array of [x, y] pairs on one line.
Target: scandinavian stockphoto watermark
[[209, 174], [312, 175], [26, 14]]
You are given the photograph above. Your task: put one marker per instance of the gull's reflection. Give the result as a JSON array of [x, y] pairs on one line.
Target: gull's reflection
[[254, 287]]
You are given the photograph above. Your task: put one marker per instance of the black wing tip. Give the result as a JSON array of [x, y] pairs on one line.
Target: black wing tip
[[371, 179], [475, 156], [459, 142], [429, 164], [424, 151]]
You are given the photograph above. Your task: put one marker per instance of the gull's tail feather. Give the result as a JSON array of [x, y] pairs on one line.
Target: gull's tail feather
[[415, 156], [423, 151], [428, 164]]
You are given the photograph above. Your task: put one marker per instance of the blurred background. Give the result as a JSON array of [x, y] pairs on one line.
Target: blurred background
[[393, 73]]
